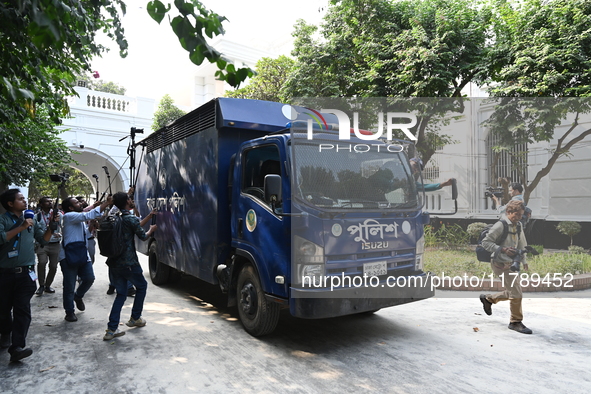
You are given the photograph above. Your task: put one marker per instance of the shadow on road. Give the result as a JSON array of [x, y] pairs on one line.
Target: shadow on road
[[321, 336]]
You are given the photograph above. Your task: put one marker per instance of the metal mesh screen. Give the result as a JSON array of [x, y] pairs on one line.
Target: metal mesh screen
[[192, 123]]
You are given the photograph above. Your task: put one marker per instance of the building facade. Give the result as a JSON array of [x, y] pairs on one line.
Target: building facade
[[98, 133], [562, 195]]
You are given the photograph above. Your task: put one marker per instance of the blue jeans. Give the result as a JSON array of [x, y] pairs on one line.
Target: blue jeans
[[86, 274], [111, 283], [120, 276]]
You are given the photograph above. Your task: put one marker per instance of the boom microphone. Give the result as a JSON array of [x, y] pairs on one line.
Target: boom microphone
[[29, 215]]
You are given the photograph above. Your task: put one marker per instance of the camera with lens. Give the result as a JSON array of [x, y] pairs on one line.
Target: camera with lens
[[59, 177], [494, 191], [518, 258], [62, 178]]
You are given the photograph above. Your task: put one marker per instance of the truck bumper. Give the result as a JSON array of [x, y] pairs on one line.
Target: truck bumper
[[323, 303]]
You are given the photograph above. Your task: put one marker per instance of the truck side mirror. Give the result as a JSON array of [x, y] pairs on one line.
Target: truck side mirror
[[272, 188], [454, 197]]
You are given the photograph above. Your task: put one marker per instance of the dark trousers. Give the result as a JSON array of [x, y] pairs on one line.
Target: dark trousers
[[86, 274], [16, 291]]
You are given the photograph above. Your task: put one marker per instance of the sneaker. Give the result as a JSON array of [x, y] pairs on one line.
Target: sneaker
[[486, 304], [49, 289], [139, 322], [111, 290], [79, 304], [40, 290], [71, 317], [112, 334], [131, 292], [519, 327], [19, 353]]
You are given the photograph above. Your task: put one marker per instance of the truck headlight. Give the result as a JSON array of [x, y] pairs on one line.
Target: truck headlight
[[307, 252], [312, 270], [309, 261]]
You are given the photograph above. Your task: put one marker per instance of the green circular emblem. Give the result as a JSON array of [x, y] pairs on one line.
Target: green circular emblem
[[251, 220]]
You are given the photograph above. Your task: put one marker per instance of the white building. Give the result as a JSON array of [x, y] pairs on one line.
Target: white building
[[99, 121], [96, 132]]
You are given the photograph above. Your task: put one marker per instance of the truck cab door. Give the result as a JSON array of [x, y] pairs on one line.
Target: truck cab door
[[257, 232]]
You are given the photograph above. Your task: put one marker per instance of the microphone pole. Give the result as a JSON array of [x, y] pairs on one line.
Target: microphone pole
[[95, 176], [108, 179]]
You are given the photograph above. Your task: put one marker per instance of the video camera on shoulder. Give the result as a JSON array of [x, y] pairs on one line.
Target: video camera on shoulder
[[59, 177], [518, 258], [494, 191]]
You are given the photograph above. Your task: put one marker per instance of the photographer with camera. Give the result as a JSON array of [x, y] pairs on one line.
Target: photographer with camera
[[50, 252], [125, 268], [516, 193], [503, 257], [74, 232]]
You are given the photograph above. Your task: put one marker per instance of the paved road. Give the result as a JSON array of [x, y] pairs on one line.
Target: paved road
[[193, 343]]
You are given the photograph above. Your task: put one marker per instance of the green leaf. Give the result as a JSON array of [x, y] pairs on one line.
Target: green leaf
[[185, 8], [221, 63], [182, 27], [197, 56], [242, 74], [157, 10], [231, 79]]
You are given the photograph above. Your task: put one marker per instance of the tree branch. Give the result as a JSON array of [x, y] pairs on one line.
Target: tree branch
[[559, 151]]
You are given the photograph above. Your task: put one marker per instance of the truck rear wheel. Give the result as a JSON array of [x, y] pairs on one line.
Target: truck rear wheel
[[258, 316], [159, 272]]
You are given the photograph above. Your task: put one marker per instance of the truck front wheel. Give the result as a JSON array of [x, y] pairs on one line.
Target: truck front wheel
[[159, 272], [258, 316]]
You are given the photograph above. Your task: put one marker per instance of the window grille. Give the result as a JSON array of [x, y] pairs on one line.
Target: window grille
[[510, 163], [431, 171]]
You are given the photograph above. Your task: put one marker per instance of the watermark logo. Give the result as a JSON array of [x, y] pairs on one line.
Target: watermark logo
[[344, 122]]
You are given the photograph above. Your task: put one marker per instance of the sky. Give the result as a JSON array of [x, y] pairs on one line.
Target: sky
[[158, 65]]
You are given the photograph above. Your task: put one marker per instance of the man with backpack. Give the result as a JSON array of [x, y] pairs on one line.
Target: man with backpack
[[126, 267], [502, 253]]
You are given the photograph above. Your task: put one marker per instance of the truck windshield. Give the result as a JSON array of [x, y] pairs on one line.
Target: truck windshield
[[346, 179]]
